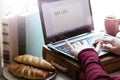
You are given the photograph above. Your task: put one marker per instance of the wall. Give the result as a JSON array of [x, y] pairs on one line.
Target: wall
[[34, 35]]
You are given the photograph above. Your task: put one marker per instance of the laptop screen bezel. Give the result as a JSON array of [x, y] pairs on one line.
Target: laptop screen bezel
[[83, 29]]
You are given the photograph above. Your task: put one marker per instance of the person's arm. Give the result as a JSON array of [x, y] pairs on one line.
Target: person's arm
[[90, 63]]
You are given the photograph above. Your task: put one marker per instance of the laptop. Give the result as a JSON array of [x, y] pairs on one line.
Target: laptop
[[67, 19]]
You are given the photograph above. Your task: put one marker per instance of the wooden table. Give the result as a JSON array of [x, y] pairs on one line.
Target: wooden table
[[72, 68]]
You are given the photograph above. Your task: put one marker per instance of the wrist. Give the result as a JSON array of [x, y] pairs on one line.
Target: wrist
[[84, 50]]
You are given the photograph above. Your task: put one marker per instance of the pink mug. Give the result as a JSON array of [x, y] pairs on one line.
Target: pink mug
[[111, 25]]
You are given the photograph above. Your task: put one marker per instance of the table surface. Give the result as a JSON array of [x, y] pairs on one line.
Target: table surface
[[59, 75], [62, 76]]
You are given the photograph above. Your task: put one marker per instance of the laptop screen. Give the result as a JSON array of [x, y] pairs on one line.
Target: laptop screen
[[62, 19]]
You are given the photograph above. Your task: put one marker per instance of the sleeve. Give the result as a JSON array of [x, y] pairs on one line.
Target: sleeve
[[92, 67]]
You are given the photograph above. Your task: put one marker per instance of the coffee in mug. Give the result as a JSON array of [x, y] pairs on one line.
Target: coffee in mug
[[111, 25]]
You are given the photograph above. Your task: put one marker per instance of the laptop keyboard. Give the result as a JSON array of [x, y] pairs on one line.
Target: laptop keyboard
[[88, 41]]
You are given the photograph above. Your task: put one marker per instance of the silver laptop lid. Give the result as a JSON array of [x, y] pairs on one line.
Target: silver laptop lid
[[62, 19]]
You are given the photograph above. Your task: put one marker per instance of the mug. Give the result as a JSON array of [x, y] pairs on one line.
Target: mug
[[111, 25]]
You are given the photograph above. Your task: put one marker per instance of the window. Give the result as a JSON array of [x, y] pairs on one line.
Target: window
[[20, 7], [103, 8]]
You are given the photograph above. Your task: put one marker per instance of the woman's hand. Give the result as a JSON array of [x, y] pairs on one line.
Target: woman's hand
[[111, 44], [76, 47]]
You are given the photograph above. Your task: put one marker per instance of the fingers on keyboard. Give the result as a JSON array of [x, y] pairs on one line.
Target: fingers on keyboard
[[84, 42]]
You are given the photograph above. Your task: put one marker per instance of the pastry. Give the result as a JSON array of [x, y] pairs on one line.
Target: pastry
[[35, 61], [27, 72]]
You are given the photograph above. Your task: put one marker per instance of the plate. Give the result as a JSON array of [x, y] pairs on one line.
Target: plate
[[10, 76]]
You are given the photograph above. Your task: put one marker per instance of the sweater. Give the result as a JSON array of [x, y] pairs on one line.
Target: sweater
[[92, 67]]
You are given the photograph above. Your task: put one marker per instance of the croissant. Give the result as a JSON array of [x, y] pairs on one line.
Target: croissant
[[34, 61], [27, 72]]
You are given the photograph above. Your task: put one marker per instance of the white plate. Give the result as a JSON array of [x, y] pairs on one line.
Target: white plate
[[9, 76]]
